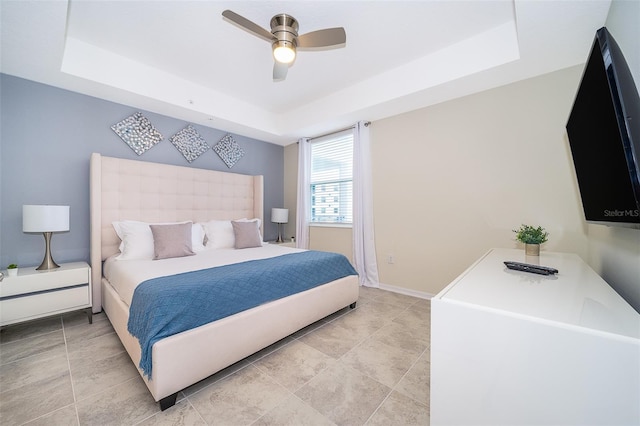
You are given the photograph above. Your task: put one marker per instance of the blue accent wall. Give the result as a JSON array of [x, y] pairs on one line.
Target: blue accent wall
[[46, 138]]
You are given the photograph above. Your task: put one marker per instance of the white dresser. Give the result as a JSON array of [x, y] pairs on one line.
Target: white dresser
[[514, 348]]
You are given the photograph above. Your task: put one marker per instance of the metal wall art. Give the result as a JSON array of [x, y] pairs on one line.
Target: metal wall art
[[137, 132], [189, 142], [229, 150]]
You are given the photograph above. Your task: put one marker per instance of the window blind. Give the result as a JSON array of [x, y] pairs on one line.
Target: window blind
[[332, 179]]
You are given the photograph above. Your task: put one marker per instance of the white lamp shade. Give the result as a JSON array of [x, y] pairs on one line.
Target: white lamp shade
[[45, 218], [279, 215]]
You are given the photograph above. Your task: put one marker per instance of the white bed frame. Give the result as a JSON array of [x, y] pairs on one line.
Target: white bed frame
[[136, 190]]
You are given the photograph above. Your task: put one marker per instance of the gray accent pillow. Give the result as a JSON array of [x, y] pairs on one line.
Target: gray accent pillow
[[247, 234], [171, 240]]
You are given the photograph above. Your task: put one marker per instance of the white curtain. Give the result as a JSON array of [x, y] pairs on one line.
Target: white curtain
[[304, 179], [364, 247]]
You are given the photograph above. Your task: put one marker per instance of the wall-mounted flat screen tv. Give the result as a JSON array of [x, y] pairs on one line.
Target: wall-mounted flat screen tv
[[604, 136]]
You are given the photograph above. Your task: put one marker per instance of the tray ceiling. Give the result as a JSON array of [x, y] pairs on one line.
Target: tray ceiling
[[183, 59]]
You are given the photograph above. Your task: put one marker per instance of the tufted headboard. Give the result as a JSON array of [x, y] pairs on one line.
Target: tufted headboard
[[151, 192]]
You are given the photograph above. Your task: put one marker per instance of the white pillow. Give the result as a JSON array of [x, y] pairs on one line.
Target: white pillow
[[137, 239], [197, 237], [220, 233]]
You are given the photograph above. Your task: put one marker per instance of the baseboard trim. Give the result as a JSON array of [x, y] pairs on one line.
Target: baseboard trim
[[407, 291]]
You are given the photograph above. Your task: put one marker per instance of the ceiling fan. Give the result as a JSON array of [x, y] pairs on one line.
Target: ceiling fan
[[285, 40]]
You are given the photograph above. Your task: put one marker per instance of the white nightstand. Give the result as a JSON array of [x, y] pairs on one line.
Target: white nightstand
[[36, 294], [284, 243]]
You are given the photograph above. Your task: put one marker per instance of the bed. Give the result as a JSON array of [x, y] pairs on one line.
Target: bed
[[129, 190]]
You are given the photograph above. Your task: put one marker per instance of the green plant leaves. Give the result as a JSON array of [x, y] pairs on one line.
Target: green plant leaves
[[531, 235]]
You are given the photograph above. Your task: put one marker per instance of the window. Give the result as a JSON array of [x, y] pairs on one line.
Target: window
[[332, 179]]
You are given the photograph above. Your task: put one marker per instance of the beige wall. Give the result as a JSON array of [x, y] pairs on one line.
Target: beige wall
[[339, 240], [452, 180]]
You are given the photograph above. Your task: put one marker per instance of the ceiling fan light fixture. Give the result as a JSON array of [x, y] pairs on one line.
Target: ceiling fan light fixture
[[284, 52], [285, 41]]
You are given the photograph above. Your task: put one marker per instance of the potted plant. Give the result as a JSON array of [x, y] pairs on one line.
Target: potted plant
[[12, 270], [532, 237]]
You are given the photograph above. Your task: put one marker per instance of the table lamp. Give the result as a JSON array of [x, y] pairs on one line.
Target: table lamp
[[279, 216], [46, 219]]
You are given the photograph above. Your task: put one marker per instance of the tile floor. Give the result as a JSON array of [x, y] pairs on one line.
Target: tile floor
[[369, 365]]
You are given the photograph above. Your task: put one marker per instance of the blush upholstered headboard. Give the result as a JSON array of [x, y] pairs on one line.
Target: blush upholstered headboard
[[151, 192]]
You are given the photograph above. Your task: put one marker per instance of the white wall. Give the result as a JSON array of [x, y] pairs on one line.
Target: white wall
[[614, 252]]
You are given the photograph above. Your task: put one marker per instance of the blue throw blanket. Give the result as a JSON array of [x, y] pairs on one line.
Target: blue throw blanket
[[165, 306]]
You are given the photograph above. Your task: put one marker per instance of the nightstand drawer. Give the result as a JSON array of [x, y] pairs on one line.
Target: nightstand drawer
[[33, 305], [30, 280]]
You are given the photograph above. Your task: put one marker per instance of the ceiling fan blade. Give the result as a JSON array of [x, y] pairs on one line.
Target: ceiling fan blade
[[279, 71], [248, 25], [323, 38]]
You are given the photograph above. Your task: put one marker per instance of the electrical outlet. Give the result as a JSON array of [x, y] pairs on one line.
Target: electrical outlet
[[390, 259]]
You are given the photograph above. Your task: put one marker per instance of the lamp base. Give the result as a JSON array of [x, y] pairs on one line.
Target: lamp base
[[279, 240], [47, 262]]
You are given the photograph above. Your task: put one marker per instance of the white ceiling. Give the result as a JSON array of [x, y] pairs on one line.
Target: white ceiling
[[182, 59]]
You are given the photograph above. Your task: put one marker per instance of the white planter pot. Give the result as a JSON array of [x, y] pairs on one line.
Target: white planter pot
[[12, 272]]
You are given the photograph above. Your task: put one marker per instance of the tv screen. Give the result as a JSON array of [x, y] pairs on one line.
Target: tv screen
[[604, 136]]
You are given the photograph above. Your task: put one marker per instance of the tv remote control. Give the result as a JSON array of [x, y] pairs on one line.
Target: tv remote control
[[527, 267]]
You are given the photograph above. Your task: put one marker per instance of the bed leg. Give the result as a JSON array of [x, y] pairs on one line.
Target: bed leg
[[168, 402], [353, 305]]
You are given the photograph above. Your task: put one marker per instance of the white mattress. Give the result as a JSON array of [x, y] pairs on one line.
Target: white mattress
[[125, 275]]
